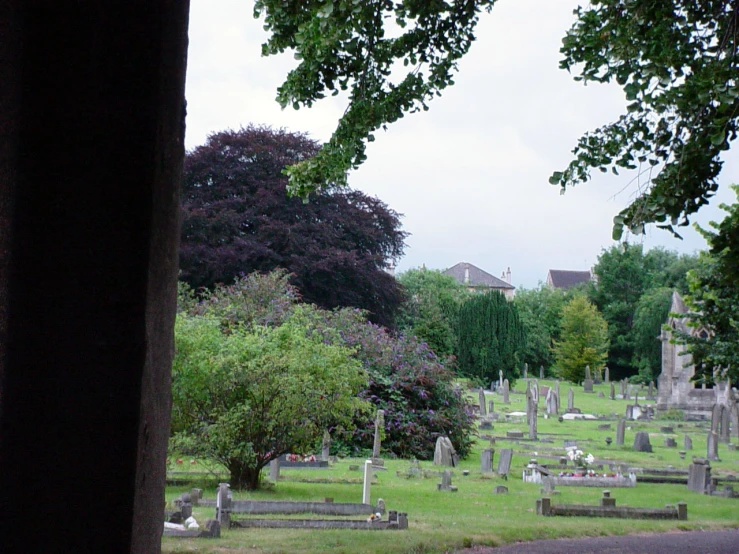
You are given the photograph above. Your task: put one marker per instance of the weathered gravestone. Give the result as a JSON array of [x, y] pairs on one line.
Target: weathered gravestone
[[444, 453], [551, 403], [570, 400], [486, 460], [326, 446], [274, 470], [483, 406], [624, 393], [543, 391], [535, 392], [607, 374], [491, 406], [224, 500], [641, 442], [699, 476], [525, 371], [500, 379], [504, 461], [725, 433], [379, 428], [650, 392], [688, 443], [532, 419], [620, 430], [367, 482], [712, 446], [506, 392], [587, 384], [446, 482], [612, 394], [500, 489], [541, 372], [670, 442]]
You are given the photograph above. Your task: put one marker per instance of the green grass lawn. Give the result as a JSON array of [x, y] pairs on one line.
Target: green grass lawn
[[443, 521]]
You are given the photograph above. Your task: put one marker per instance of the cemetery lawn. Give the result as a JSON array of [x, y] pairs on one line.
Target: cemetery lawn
[[448, 521]]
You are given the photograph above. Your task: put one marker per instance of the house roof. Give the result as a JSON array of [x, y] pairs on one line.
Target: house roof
[[565, 278], [477, 277]]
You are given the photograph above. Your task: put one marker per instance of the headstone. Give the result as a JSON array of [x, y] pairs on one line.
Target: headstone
[[491, 406], [446, 482], [641, 442], [650, 393], [712, 446], [224, 499], [444, 454], [197, 495], [504, 461], [535, 392], [620, 430], [500, 489], [623, 389], [587, 384], [483, 405], [688, 443], [367, 482], [551, 403], [543, 391], [212, 529], [532, 420], [379, 428], [699, 476], [607, 373], [274, 470], [525, 371], [506, 392], [725, 434], [607, 501], [541, 372], [556, 388], [486, 425], [667, 429], [612, 395], [600, 394], [326, 446], [670, 442], [486, 460], [500, 379], [570, 399], [588, 376]]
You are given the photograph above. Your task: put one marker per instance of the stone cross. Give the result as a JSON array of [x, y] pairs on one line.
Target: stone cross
[[620, 431], [379, 428], [483, 406], [486, 460], [571, 400], [326, 446], [506, 390]]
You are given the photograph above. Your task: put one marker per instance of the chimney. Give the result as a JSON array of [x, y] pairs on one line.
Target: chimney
[[508, 276]]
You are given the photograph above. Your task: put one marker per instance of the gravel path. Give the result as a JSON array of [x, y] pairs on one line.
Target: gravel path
[[680, 542]]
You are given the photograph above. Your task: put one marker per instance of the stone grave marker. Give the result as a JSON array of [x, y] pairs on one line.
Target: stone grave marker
[[525, 371], [532, 419], [600, 394], [274, 470], [504, 461], [687, 443], [506, 392], [712, 446], [486, 425], [379, 427], [699, 476], [551, 403], [224, 500], [624, 393], [620, 431], [500, 379], [500, 489], [541, 372], [535, 392], [607, 375], [587, 384], [641, 442], [725, 434], [444, 453], [491, 406], [570, 400], [556, 388], [483, 406], [543, 391], [612, 394], [670, 442], [486, 460], [326, 446], [367, 482], [650, 393], [446, 482]]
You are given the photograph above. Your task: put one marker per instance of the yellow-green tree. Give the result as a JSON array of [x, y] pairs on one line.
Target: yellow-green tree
[[583, 340]]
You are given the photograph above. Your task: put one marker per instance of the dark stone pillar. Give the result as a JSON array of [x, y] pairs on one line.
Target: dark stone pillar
[[91, 149]]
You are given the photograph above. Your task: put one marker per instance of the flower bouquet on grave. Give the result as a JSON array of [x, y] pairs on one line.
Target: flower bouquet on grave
[[581, 462]]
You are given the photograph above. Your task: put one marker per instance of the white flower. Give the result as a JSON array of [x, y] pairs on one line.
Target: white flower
[[590, 459]]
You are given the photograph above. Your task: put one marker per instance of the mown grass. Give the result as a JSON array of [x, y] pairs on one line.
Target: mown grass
[[441, 521]]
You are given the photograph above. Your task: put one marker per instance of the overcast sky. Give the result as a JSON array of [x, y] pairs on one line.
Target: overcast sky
[[471, 174]]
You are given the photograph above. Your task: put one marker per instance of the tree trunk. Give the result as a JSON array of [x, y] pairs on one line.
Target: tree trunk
[[244, 476]]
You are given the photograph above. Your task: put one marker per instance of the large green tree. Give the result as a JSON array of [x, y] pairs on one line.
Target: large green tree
[[431, 307], [491, 338], [714, 293], [583, 340], [540, 312], [650, 315], [677, 61]]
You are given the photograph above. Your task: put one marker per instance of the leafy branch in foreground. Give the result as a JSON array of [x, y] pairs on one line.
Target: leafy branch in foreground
[[677, 63], [347, 45]]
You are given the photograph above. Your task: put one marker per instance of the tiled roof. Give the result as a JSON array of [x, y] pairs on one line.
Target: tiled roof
[[477, 277], [565, 279]]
